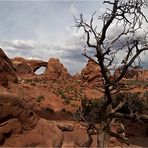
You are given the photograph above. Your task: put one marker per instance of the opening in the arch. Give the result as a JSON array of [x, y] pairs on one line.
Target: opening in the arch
[[40, 70]]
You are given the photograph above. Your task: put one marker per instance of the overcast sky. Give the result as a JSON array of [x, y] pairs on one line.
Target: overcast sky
[[44, 29]]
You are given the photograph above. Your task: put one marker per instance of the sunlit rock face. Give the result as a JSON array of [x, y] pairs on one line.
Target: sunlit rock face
[[91, 73], [21, 127], [56, 71], [7, 70], [22, 67]]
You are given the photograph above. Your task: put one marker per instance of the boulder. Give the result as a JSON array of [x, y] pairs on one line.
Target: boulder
[[21, 127], [7, 70], [65, 126], [56, 71], [45, 134]]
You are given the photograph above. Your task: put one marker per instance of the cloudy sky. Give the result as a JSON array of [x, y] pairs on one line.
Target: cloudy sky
[[44, 29]]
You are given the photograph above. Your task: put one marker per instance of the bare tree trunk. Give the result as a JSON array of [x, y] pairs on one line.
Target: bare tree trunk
[[103, 136], [103, 133]]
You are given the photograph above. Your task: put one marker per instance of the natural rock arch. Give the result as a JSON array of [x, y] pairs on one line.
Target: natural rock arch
[[37, 66], [33, 65], [40, 70]]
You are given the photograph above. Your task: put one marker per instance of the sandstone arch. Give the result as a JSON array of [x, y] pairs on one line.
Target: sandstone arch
[[36, 66], [28, 66]]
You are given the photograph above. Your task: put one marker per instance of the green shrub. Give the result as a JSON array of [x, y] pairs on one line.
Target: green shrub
[[145, 99], [141, 83], [67, 100], [32, 83], [90, 110], [50, 110], [133, 102], [145, 95], [40, 98]]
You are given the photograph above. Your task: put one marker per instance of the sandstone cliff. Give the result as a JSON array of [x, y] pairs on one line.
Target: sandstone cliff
[[7, 69]]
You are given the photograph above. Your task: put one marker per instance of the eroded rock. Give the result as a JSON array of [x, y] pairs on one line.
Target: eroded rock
[[65, 126], [25, 66], [55, 70], [7, 70], [91, 73], [21, 127]]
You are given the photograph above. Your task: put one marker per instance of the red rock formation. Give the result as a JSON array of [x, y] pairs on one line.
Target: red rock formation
[[21, 127], [4, 57], [55, 70], [22, 67], [117, 72], [91, 73], [133, 73], [145, 74], [36, 64], [7, 70], [25, 66]]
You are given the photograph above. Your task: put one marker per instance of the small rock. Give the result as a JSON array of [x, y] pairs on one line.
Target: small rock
[[65, 126]]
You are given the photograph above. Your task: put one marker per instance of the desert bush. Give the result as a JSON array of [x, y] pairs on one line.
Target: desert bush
[[146, 131], [32, 83], [28, 80], [145, 99], [133, 102], [65, 98], [141, 83], [145, 95], [40, 98], [90, 110], [50, 110]]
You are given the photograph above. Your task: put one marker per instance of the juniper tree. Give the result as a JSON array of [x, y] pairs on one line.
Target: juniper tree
[[131, 39]]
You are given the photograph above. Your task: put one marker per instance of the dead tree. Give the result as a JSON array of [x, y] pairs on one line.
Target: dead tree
[[131, 39]]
